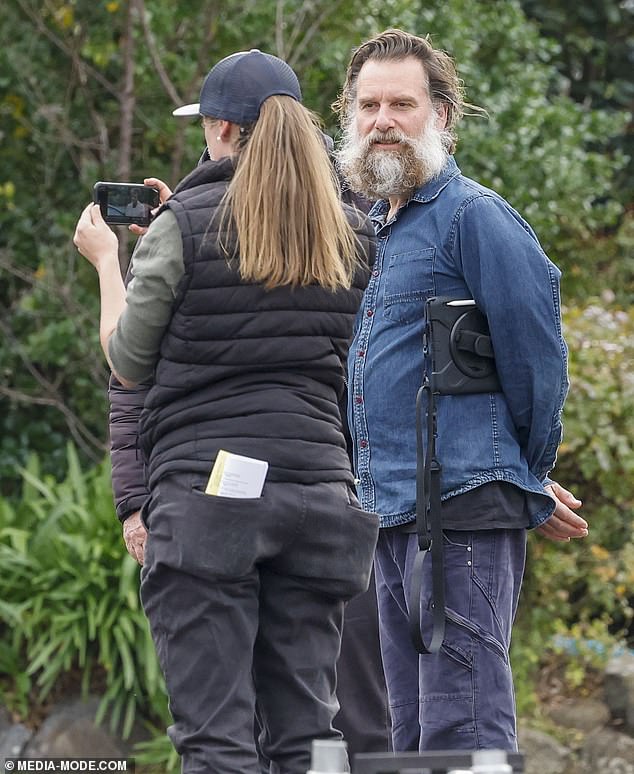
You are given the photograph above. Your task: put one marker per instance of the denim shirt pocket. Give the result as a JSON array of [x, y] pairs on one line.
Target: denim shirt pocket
[[408, 283]]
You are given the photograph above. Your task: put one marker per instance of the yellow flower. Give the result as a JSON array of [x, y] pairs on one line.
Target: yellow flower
[[8, 189], [599, 552], [65, 16]]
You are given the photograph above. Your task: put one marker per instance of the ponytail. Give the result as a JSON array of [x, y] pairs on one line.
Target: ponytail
[[285, 204]]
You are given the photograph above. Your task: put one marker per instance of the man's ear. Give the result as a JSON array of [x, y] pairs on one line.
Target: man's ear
[[440, 108]]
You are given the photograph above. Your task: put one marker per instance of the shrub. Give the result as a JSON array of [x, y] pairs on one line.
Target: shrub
[[70, 597], [578, 599]]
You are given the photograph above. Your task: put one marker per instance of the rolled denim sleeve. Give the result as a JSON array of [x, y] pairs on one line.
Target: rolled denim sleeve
[[517, 287]]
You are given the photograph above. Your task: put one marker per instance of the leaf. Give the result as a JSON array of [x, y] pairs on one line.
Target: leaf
[[125, 654]]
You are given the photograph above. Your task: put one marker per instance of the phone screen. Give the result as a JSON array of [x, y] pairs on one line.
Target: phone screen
[[125, 203]]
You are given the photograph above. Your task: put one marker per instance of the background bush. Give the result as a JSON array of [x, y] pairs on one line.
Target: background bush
[[70, 599], [578, 597]]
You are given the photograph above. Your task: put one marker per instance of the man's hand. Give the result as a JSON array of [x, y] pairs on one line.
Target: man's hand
[[564, 524], [135, 535]]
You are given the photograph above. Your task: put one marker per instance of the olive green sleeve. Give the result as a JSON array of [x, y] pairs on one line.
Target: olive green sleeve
[[156, 268]]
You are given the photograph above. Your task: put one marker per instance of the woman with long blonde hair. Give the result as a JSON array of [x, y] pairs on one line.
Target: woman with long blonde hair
[[240, 311]]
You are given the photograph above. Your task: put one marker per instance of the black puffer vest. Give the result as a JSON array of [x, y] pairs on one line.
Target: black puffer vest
[[253, 371]]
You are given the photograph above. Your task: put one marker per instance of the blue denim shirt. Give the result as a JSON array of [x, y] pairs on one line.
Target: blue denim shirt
[[456, 238]]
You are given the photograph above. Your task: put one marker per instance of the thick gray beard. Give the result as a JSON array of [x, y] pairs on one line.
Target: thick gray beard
[[381, 174]]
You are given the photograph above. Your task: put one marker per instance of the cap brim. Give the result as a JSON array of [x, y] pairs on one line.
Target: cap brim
[[187, 110]]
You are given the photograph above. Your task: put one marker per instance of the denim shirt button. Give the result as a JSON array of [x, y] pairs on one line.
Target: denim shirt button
[[363, 444], [375, 273], [361, 353], [370, 312], [358, 399]]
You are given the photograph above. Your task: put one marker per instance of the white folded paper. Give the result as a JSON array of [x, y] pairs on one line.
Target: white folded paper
[[236, 476]]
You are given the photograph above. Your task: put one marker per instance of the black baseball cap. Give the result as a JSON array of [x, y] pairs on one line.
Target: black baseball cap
[[236, 87]]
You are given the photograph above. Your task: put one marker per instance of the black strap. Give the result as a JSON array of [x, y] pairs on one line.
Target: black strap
[[449, 332], [473, 341], [428, 531]]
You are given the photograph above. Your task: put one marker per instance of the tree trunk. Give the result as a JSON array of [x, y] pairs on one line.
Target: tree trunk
[[127, 101]]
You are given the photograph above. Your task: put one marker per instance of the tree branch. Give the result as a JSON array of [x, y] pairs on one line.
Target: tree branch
[[127, 101], [193, 87], [77, 428], [41, 27], [150, 40], [279, 29], [78, 314], [87, 442], [327, 10]]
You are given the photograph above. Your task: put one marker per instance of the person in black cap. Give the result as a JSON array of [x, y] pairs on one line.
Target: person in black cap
[[363, 715], [240, 310]]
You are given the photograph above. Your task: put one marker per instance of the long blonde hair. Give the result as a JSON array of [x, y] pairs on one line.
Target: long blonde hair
[[285, 204]]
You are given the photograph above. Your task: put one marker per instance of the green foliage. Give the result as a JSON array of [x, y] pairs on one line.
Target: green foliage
[[68, 117], [596, 50], [599, 417], [157, 756], [70, 597], [596, 42], [582, 593]]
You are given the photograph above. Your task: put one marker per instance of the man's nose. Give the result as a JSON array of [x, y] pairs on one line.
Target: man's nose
[[384, 119]]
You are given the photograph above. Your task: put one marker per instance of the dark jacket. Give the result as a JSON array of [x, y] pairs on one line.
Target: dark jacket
[[316, 380], [129, 485]]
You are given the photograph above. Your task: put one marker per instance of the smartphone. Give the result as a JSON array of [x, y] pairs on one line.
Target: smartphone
[[125, 203]]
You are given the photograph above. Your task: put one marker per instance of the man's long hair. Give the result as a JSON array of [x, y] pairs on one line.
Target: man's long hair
[[284, 204], [394, 45]]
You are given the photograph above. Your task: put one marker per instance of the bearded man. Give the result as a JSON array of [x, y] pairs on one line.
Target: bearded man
[[442, 234]]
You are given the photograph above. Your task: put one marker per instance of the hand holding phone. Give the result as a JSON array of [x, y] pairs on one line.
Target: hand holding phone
[[123, 204], [164, 194], [94, 240]]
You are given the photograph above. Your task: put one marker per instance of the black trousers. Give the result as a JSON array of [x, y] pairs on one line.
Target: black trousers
[[363, 717], [245, 600]]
